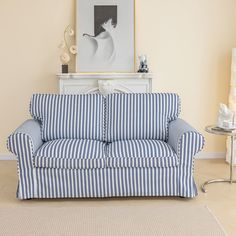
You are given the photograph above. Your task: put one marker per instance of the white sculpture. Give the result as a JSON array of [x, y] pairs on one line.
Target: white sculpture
[[225, 117], [106, 87]]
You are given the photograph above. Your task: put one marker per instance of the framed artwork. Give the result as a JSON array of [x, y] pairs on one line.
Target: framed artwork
[[105, 35]]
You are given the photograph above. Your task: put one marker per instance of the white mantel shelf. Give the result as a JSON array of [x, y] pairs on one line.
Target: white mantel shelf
[[104, 75], [105, 83]]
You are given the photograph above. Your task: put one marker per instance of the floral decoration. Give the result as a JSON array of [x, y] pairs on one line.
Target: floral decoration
[[68, 50]]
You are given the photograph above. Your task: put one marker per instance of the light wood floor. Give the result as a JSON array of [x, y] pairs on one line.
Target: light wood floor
[[220, 198]]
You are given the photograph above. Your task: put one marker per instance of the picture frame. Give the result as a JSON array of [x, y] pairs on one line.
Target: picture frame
[[105, 36]]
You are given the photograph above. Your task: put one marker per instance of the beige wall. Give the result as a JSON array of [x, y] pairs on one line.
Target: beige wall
[[188, 44]]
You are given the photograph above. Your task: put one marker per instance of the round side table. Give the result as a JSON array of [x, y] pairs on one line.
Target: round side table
[[232, 133]]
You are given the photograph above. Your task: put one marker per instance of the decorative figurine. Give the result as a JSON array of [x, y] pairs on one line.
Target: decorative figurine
[[143, 67], [67, 50], [226, 117]]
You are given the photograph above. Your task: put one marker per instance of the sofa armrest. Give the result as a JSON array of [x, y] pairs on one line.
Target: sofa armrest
[[184, 139], [26, 138], [23, 142]]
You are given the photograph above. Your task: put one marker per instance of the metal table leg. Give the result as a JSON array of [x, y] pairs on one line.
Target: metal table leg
[[230, 180]]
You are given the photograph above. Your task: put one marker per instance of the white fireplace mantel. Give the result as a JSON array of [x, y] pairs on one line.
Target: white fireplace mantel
[[105, 83]]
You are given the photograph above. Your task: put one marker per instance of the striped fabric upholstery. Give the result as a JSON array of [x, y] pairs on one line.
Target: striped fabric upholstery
[[140, 153], [22, 146], [38, 182], [69, 116], [140, 116], [189, 144], [73, 167], [123, 182], [71, 154], [109, 182]]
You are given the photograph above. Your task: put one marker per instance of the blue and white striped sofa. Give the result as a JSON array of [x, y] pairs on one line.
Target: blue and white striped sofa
[[80, 146]]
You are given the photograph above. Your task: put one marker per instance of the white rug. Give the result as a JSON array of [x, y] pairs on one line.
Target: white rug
[[178, 220]]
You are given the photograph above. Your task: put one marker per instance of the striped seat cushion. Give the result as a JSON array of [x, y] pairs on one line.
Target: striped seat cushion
[[71, 154], [69, 116], [140, 116], [141, 153]]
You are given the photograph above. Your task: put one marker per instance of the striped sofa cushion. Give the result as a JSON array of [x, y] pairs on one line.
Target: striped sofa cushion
[[140, 116], [141, 153], [70, 154], [69, 116]]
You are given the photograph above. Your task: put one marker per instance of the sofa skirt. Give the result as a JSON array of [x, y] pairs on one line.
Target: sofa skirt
[[108, 182]]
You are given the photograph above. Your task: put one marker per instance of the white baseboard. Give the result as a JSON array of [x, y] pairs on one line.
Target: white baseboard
[[210, 155], [201, 155], [7, 157]]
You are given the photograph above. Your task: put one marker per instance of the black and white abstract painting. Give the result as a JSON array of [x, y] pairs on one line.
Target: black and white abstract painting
[[105, 35]]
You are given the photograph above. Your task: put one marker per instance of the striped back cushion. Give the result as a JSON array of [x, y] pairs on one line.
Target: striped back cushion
[[140, 116], [69, 116]]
